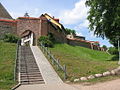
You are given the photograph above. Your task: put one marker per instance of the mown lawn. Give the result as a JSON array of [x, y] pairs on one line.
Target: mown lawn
[[82, 61], [7, 59]]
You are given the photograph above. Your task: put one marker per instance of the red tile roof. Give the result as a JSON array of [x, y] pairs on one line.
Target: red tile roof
[[5, 20], [33, 18], [75, 39]]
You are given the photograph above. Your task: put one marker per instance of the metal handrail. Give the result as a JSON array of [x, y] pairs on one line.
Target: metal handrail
[[54, 60]]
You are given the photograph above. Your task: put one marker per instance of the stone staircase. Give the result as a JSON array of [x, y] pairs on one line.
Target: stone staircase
[[29, 71]]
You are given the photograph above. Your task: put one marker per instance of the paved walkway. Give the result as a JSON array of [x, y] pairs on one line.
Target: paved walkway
[[51, 79], [47, 71], [61, 86]]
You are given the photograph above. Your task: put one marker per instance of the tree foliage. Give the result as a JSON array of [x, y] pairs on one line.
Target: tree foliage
[[105, 47], [69, 31], [104, 18], [45, 40]]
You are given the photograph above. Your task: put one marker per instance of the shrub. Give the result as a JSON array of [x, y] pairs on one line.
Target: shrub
[[11, 38], [105, 47], [113, 51], [45, 41]]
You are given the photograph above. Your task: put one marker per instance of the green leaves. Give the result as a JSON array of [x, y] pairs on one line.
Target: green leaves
[[45, 40], [104, 18], [11, 38], [69, 31]]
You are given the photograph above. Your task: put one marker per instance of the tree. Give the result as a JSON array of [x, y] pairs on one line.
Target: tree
[[45, 40], [104, 18], [105, 47], [69, 31]]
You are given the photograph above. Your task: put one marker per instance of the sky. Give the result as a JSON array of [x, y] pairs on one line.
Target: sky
[[72, 14]]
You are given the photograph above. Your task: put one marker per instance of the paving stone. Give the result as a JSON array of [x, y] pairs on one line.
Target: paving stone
[[83, 78], [106, 73], [98, 75], [91, 77]]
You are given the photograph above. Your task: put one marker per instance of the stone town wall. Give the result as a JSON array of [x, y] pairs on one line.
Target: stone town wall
[[25, 24], [58, 35], [29, 24], [46, 27], [43, 26], [7, 27], [79, 43], [85, 44], [40, 27]]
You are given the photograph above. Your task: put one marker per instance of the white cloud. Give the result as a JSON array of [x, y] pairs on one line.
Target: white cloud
[[83, 24], [79, 34], [75, 15], [35, 12], [16, 14], [32, 12], [92, 34]]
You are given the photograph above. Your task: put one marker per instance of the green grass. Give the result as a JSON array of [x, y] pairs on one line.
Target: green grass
[[82, 61], [7, 57]]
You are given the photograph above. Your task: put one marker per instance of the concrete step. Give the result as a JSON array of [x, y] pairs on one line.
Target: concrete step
[[26, 83], [29, 71], [32, 75]]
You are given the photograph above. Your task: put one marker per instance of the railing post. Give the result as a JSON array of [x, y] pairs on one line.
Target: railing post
[[54, 61], [58, 64], [49, 55], [52, 57], [65, 73], [16, 61], [46, 50], [43, 49]]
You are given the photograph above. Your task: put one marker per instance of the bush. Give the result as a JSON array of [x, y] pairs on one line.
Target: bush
[[45, 41], [105, 47], [11, 38], [113, 51]]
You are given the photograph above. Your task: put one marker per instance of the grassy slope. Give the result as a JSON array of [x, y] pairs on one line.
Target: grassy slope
[[7, 57], [82, 61]]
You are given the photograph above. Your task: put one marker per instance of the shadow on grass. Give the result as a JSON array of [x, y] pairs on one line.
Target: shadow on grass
[[114, 58]]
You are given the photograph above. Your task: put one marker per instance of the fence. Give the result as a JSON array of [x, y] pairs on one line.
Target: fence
[[54, 60], [16, 62]]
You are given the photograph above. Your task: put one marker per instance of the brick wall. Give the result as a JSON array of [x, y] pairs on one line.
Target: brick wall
[[46, 27], [79, 43], [32, 24], [7, 27], [43, 26], [58, 34]]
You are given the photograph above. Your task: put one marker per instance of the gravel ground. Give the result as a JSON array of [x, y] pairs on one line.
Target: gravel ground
[[109, 85]]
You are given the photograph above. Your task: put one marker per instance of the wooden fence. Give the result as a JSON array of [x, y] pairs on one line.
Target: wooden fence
[[54, 60]]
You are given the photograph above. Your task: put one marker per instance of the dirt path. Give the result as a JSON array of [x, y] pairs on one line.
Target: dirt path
[[110, 85]]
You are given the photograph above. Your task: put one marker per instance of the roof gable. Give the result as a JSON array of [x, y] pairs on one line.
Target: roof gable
[[4, 13]]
